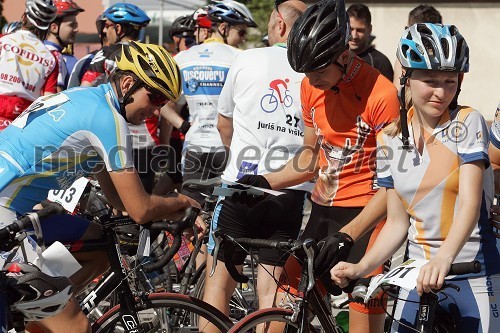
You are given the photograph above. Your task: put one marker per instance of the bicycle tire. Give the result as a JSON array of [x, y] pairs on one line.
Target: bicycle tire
[[249, 323], [109, 322]]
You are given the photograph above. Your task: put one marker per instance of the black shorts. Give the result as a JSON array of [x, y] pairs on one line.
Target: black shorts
[[143, 162], [202, 166], [276, 218], [326, 221]]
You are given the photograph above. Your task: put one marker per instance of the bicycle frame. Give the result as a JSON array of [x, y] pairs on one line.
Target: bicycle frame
[[115, 279]]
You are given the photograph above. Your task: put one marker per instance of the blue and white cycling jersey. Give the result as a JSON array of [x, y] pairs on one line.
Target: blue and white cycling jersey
[[58, 139]]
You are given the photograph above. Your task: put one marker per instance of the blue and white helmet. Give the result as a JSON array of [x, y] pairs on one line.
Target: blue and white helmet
[[232, 12], [433, 47]]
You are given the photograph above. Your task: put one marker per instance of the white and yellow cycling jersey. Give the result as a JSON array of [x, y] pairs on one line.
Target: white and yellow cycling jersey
[[428, 185]]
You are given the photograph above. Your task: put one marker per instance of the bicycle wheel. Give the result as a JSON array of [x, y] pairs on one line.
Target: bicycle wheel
[[242, 300], [165, 312], [266, 316]]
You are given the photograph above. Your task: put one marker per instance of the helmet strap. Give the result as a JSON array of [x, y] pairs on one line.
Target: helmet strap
[[403, 112], [343, 68], [454, 102], [226, 31], [57, 34], [123, 100]]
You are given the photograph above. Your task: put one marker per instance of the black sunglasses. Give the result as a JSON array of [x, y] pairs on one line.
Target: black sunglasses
[[241, 32], [155, 97]]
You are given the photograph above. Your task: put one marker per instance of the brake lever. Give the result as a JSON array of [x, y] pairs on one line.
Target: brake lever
[[308, 247], [218, 241]]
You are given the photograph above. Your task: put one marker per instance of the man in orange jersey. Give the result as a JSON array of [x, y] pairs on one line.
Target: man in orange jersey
[[345, 103]]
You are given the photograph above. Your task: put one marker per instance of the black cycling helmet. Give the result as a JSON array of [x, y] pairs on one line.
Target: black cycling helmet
[[319, 36], [183, 25]]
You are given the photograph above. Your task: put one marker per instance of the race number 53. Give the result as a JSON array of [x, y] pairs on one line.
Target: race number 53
[[69, 197]]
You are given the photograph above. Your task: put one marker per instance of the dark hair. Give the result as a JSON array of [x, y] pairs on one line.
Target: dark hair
[[359, 11], [424, 14], [117, 74], [27, 25]]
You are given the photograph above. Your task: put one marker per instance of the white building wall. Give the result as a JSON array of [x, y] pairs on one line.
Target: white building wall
[[478, 23]]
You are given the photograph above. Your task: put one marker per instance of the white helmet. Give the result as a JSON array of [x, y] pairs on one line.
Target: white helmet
[[35, 294], [232, 12], [41, 13]]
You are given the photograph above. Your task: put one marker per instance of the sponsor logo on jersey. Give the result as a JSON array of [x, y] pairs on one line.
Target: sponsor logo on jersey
[[27, 54], [207, 80]]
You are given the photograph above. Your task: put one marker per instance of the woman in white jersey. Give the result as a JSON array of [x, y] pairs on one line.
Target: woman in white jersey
[[434, 163]]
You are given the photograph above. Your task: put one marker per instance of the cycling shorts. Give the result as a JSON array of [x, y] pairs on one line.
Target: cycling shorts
[[143, 162], [63, 228], [328, 221], [202, 166], [276, 218], [475, 308]]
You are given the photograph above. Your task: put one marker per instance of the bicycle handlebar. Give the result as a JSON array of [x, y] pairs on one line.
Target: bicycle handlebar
[[308, 247], [49, 208], [358, 288], [175, 228]]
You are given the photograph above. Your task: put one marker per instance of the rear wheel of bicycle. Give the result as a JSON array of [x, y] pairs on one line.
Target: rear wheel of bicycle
[[166, 312]]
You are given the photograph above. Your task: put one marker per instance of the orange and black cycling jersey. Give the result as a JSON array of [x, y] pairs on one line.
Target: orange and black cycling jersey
[[346, 122]]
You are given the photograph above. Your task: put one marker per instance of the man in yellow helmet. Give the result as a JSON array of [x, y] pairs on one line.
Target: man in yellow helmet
[[52, 143]]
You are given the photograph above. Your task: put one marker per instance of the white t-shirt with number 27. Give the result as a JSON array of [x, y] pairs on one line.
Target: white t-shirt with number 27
[[262, 95]]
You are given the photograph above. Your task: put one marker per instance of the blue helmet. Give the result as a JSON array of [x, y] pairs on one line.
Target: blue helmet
[[231, 12], [433, 47], [126, 13]]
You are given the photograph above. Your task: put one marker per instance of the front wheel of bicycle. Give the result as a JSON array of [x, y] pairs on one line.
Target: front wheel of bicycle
[[277, 316], [165, 312]]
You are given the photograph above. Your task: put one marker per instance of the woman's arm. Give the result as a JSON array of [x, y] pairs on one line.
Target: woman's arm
[[470, 195], [391, 237]]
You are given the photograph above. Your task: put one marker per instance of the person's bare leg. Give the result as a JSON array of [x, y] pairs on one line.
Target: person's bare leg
[[266, 285], [363, 323], [266, 290], [218, 291], [93, 265]]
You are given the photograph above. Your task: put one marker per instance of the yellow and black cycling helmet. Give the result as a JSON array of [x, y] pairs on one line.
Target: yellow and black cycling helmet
[[153, 66]]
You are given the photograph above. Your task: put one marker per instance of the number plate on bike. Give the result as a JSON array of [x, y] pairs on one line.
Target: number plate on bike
[[404, 276], [69, 197]]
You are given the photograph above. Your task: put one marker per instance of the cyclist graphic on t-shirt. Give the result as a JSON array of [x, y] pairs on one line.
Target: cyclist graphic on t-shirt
[[269, 102]]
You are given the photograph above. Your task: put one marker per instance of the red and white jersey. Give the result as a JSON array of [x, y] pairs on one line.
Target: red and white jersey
[[27, 67]]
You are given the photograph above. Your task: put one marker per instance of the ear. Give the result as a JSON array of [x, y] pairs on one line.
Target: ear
[[369, 30], [282, 27], [126, 83], [222, 28], [53, 28], [118, 28]]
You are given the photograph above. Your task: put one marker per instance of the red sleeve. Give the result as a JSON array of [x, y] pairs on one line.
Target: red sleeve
[[90, 76], [50, 85]]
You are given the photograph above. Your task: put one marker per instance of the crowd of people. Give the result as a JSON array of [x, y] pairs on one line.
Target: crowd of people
[[385, 154]]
